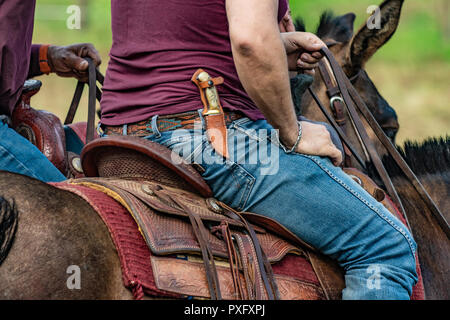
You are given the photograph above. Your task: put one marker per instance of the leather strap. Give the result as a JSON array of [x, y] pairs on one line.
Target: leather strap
[[399, 161], [90, 129], [225, 234], [353, 101], [374, 157], [94, 93], [338, 129], [263, 263], [336, 105], [208, 258], [43, 59]]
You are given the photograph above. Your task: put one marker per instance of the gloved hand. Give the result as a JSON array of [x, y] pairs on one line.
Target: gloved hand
[[68, 61]]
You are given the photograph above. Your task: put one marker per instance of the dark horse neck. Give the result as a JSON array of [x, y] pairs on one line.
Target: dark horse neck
[[431, 162]]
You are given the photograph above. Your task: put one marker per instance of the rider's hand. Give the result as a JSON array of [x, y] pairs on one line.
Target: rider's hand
[[315, 141], [303, 52], [68, 61]]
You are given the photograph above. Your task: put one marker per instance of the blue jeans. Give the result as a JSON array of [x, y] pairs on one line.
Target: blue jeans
[[20, 156], [314, 199]]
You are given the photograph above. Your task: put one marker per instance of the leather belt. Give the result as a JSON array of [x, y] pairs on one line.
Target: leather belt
[[186, 120]]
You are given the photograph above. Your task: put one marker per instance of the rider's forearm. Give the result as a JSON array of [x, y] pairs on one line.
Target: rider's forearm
[[261, 63]]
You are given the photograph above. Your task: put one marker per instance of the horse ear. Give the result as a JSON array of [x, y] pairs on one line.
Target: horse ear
[[339, 29], [375, 32], [348, 22], [299, 25]]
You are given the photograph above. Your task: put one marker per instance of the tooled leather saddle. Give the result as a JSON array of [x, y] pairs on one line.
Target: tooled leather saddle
[[177, 214], [41, 128], [61, 144]]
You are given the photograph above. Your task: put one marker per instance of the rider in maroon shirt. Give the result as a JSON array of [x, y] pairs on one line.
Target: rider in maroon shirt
[[19, 60], [151, 64]]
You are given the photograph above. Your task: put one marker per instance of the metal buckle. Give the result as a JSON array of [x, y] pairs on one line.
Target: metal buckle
[[334, 99]]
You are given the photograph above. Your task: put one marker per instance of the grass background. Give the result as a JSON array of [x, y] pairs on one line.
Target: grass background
[[412, 71]]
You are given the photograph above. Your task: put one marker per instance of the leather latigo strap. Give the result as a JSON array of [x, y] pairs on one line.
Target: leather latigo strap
[[216, 128], [264, 267]]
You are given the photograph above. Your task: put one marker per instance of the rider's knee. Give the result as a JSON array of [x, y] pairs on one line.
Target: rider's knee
[[400, 261]]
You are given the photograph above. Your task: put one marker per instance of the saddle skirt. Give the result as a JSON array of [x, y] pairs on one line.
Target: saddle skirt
[[166, 228]]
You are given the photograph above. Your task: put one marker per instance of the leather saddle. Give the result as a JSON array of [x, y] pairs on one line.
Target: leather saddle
[[176, 214], [41, 128], [162, 192], [60, 144]]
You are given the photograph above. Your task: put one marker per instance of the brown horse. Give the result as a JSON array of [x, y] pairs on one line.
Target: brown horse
[[44, 231], [352, 51]]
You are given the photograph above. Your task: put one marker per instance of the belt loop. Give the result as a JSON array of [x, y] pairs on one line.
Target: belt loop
[[125, 130], [100, 131], [155, 126], [5, 119], [200, 114]]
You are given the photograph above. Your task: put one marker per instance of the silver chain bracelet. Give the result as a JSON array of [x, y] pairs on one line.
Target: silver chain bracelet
[[299, 137]]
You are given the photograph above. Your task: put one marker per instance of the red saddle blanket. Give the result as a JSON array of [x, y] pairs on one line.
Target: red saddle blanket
[[136, 258]]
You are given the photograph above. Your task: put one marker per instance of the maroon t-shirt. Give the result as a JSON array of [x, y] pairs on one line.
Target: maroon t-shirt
[[157, 47], [19, 60]]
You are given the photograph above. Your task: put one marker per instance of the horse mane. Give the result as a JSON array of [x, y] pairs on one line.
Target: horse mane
[[428, 157], [8, 227]]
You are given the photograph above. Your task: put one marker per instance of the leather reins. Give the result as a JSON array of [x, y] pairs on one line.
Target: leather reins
[[344, 93], [94, 93]]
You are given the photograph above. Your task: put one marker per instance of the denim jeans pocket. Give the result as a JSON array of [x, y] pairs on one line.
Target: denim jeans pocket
[[238, 187], [229, 180], [182, 142]]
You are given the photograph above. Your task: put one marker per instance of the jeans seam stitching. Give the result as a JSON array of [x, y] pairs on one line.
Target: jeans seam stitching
[[199, 149], [178, 139], [242, 130], [240, 121], [248, 188], [356, 194]]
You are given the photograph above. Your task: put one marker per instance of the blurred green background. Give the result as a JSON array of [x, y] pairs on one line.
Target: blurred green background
[[412, 71]]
